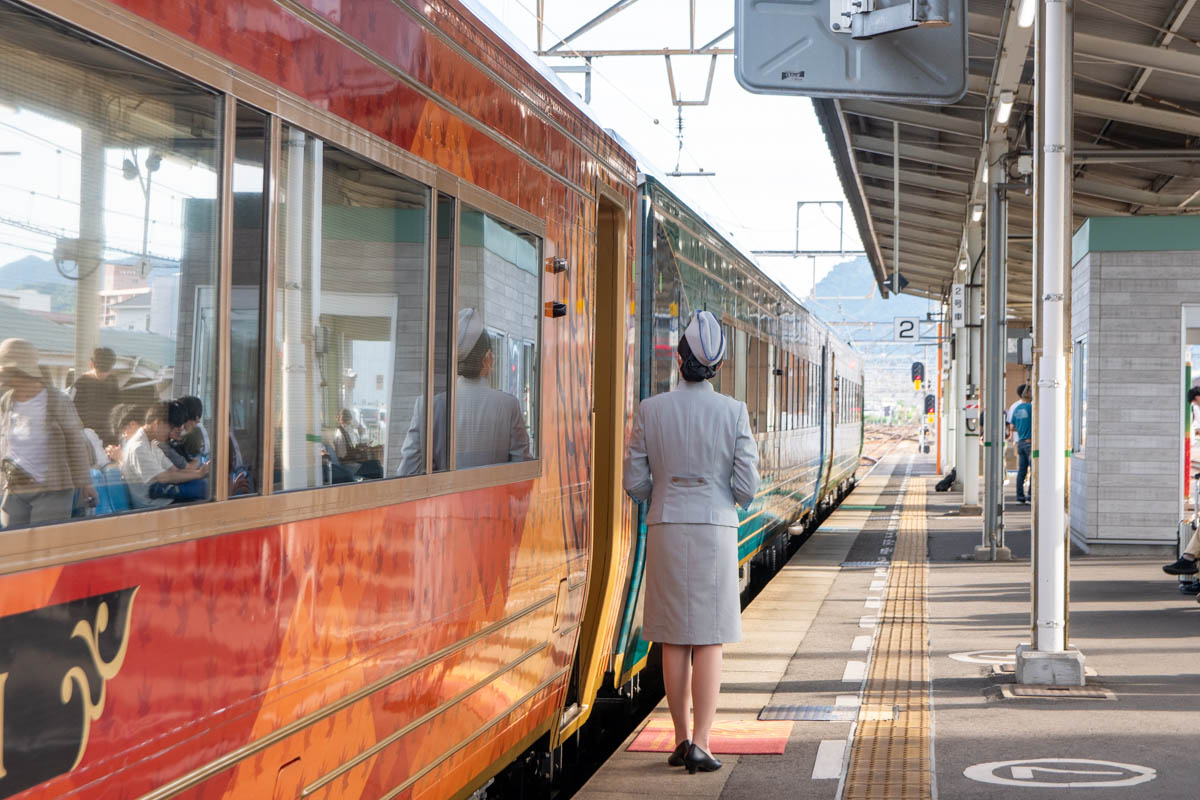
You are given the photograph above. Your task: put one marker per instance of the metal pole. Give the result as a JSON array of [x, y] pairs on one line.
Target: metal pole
[[937, 408], [1050, 556], [968, 464], [896, 207], [841, 228], [994, 357], [587, 82]]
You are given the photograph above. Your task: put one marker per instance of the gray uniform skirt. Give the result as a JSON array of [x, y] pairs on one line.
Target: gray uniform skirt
[[692, 585]]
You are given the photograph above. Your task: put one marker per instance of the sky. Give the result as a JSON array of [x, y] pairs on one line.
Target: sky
[[767, 151]]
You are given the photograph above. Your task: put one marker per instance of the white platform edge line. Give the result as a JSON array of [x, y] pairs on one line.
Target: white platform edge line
[[828, 764]]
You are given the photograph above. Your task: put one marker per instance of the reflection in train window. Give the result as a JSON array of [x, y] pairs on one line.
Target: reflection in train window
[[496, 330], [351, 303], [108, 240]]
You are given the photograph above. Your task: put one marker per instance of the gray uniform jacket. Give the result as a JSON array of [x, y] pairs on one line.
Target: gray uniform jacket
[[698, 446], [490, 429]]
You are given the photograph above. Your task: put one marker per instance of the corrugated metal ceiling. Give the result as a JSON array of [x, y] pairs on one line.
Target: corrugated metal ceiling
[[941, 148]]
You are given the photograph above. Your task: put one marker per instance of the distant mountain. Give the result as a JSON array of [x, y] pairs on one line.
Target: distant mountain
[[28, 272], [849, 293]]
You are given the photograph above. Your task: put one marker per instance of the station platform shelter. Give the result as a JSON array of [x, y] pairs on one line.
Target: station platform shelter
[[878, 664]]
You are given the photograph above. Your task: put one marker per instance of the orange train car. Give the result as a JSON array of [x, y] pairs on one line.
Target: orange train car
[[307, 216], [338, 313]]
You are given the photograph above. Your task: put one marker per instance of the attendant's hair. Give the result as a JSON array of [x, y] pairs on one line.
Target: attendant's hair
[[471, 364], [691, 369], [1193, 393]]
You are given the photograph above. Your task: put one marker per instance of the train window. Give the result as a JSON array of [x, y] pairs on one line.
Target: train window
[[108, 240], [496, 335], [246, 351], [772, 386], [794, 390], [350, 314], [739, 364], [802, 392], [412, 451], [753, 378]]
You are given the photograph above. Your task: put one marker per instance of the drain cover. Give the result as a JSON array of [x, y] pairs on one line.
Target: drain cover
[[810, 713], [864, 564], [1067, 692]]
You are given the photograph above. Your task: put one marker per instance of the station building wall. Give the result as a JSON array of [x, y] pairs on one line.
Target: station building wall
[[1131, 278]]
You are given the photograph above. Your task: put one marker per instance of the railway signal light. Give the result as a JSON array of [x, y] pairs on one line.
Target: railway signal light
[[930, 404], [918, 375]]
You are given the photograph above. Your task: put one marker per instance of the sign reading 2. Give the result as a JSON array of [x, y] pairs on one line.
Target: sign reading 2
[[55, 665]]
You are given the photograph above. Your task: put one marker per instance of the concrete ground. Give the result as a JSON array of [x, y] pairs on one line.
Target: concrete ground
[[1136, 631]]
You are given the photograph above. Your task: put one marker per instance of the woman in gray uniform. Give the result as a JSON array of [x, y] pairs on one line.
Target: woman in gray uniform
[[692, 453]]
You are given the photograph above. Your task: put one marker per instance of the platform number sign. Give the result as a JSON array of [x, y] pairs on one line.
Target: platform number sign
[[908, 329]]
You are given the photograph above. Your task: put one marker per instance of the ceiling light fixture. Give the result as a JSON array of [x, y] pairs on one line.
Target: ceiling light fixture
[[1026, 12], [1004, 107], [977, 212]]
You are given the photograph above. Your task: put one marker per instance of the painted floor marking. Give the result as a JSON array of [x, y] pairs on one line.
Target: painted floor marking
[[891, 753], [986, 657], [877, 586], [855, 671], [868, 622], [848, 700], [828, 766], [1060, 773], [873, 602], [861, 644]]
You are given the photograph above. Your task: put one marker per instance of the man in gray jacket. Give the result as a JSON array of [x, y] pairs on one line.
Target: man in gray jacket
[[693, 455]]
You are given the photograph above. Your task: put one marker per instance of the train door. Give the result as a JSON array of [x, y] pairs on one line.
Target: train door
[[606, 548]]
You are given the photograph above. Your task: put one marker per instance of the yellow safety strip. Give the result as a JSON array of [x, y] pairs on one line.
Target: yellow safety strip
[[890, 755]]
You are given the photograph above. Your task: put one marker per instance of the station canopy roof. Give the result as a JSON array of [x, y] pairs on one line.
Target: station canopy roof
[[1136, 112]]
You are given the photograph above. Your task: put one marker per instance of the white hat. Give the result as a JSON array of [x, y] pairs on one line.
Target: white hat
[[20, 355], [470, 328], [706, 337]]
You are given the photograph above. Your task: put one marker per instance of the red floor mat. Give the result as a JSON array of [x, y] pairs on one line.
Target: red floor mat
[[741, 738]]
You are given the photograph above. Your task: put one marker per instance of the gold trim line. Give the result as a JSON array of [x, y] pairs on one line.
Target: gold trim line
[[201, 774]]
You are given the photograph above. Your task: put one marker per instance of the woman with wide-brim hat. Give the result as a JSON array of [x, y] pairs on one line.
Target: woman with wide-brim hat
[[693, 455]]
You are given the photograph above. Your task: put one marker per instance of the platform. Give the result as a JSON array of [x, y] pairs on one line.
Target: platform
[[911, 659]]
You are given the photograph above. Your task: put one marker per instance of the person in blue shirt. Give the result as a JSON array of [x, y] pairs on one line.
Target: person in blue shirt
[[1022, 423]]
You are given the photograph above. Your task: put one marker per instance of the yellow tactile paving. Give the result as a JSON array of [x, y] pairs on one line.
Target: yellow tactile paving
[[889, 758]]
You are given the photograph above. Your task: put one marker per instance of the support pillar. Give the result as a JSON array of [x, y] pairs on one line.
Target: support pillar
[[1049, 659], [995, 354], [968, 389], [89, 250]]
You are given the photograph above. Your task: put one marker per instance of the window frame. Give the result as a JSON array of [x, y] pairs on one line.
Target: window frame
[[84, 538]]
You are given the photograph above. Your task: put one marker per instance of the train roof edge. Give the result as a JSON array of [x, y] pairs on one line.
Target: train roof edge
[[648, 170]]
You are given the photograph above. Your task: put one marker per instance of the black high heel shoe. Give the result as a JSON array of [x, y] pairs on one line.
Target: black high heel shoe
[[697, 759], [676, 758]]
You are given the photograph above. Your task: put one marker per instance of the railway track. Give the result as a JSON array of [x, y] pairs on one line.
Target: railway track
[[879, 440]]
